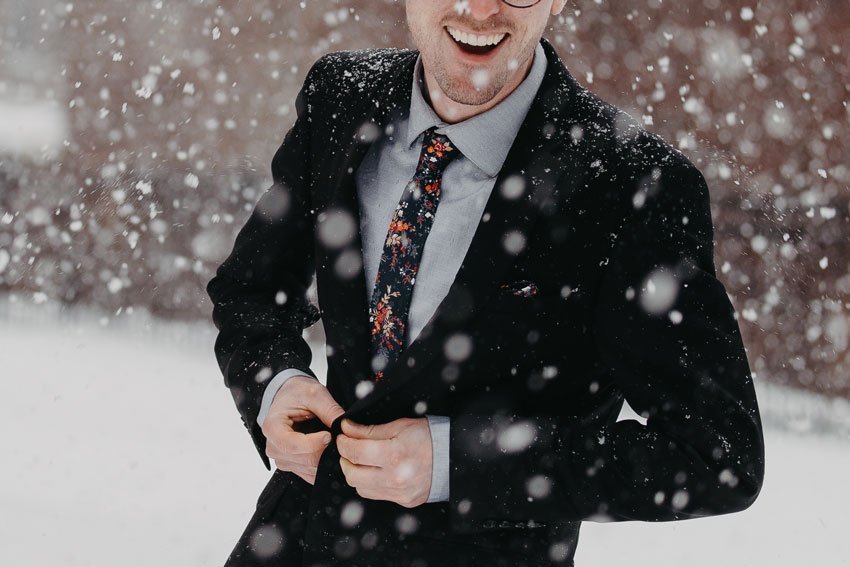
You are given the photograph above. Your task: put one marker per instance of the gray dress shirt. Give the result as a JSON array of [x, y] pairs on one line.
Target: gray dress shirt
[[484, 140]]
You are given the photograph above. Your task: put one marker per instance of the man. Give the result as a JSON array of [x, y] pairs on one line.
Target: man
[[501, 260]]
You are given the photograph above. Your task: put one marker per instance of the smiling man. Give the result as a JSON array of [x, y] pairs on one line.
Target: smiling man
[[501, 259], [482, 53]]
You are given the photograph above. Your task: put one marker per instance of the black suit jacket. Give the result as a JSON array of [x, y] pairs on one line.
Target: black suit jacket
[[614, 227]]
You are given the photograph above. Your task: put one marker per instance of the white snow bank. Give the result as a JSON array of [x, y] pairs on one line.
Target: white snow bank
[[31, 128], [122, 446]]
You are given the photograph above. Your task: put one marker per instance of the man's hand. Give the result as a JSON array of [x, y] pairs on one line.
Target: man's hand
[[299, 399], [391, 461]]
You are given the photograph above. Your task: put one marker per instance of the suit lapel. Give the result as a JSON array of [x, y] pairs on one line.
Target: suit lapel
[[343, 269], [537, 160]]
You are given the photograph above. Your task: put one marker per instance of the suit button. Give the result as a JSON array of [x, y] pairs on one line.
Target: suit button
[[489, 524]]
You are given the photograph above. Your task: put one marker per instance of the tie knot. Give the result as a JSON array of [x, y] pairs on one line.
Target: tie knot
[[437, 149]]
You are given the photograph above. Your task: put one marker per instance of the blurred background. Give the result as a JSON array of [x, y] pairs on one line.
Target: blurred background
[[136, 136]]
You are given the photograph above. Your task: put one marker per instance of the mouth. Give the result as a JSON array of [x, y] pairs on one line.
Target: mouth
[[478, 47]]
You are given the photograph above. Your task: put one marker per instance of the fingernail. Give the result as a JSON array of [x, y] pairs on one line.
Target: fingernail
[[327, 439]]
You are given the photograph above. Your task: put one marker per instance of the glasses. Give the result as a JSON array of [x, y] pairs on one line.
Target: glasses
[[521, 3]]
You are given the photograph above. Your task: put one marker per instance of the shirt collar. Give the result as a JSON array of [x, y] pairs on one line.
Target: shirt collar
[[485, 139]]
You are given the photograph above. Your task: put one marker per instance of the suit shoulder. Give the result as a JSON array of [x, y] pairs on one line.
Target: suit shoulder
[[356, 71], [373, 59], [633, 168], [630, 148]]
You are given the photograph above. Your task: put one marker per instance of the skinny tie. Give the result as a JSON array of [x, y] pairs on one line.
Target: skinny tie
[[410, 225]]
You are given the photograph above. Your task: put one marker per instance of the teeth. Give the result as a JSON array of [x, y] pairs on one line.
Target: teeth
[[471, 39]]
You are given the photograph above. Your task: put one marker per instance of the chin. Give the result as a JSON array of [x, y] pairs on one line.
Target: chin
[[471, 97], [464, 92]]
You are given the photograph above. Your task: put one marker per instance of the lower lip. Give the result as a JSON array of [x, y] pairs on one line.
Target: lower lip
[[476, 57]]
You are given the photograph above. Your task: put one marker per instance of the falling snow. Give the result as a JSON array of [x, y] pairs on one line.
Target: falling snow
[[120, 491], [136, 138]]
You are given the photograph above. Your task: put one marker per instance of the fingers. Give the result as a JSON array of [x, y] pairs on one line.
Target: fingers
[[371, 452], [300, 398], [324, 406], [306, 473], [303, 464], [300, 447], [295, 443], [399, 496], [359, 476], [377, 431], [407, 484], [283, 434], [391, 461]]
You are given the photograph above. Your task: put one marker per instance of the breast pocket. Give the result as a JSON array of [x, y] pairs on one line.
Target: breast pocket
[[524, 299]]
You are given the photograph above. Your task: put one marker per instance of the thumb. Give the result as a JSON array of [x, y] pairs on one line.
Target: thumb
[[361, 431], [326, 408]]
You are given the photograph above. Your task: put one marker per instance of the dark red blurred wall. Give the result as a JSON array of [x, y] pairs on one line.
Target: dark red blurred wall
[[174, 110]]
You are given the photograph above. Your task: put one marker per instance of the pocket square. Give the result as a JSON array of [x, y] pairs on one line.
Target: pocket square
[[521, 288]]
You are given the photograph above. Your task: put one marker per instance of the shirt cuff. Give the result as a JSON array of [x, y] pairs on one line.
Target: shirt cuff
[[439, 425], [271, 389]]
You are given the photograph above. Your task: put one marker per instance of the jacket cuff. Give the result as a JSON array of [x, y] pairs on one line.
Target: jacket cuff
[[439, 426], [251, 414], [271, 389]]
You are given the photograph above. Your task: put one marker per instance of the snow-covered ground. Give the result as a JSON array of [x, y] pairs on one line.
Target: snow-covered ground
[[121, 446], [31, 127]]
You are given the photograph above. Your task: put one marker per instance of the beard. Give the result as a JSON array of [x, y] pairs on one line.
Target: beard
[[481, 84], [465, 91]]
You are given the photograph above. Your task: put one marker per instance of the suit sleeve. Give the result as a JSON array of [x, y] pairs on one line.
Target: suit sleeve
[[259, 291], [669, 343]]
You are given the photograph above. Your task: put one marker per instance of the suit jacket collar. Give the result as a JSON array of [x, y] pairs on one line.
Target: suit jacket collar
[[486, 138], [537, 160]]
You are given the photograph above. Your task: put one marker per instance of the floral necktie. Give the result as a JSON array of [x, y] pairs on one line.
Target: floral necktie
[[402, 252]]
